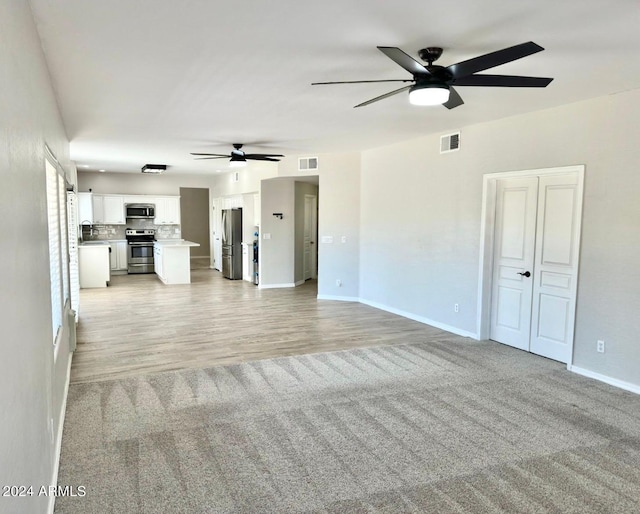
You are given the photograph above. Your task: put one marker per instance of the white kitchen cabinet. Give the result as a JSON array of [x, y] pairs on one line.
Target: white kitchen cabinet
[[93, 264], [167, 210], [98, 210], [233, 202], [113, 210], [108, 210], [119, 255], [138, 199], [85, 208], [157, 262]]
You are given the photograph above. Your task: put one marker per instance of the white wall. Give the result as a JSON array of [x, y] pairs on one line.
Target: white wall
[[141, 183], [277, 253], [339, 215], [32, 385], [420, 224], [249, 180]]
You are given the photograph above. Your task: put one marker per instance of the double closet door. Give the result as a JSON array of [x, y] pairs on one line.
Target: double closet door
[[535, 264]]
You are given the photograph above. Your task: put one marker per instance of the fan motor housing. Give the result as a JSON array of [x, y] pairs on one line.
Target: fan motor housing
[[430, 54]]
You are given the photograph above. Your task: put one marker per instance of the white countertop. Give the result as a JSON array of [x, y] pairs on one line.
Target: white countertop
[[165, 243], [86, 244]]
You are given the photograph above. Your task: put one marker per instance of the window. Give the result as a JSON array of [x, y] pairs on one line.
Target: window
[[58, 244]]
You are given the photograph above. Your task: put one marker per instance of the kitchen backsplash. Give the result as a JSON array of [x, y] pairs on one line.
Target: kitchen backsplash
[[106, 232]]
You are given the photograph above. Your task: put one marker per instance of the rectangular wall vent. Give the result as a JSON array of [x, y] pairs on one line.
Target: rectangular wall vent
[[307, 163], [450, 143]]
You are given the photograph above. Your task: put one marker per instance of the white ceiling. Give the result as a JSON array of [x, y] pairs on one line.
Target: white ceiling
[[148, 81]]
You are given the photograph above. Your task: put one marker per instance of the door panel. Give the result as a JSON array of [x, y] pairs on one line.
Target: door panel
[[217, 234], [556, 266], [514, 242], [306, 258]]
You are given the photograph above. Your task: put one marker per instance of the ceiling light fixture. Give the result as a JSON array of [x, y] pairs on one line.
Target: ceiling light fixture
[[237, 161], [102, 171], [154, 168], [429, 94]]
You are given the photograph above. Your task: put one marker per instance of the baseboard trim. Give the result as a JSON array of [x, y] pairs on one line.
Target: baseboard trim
[[275, 286], [300, 282], [420, 319], [627, 386], [338, 298], [58, 447]]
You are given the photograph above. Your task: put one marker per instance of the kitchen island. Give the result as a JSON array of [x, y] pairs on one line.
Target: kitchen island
[[172, 260]]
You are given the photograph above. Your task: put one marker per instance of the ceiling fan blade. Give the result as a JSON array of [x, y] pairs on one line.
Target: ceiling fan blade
[[454, 99], [359, 82], [204, 158], [502, 81], [404, 60], [212, 154], [261, 158], [382, 97], [493, 59], [257, 155]]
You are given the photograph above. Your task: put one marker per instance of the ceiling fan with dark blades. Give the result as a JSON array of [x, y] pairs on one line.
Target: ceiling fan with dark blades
[[433, 84], [238, 157]]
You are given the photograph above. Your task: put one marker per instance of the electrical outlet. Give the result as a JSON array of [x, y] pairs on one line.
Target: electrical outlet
[[339, 282], [456, 307], [600, 346]]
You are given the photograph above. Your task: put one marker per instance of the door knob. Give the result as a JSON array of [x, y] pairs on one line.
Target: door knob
[[525, 274]]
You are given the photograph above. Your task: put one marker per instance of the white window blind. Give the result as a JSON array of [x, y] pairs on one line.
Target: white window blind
[[58, 244], [64, 243]]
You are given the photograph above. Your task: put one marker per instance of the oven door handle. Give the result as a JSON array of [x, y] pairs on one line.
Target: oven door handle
[[140, 244]]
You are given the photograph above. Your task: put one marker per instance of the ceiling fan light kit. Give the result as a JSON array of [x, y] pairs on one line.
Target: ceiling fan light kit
[[237, 162], [433, 84], [428, 94]]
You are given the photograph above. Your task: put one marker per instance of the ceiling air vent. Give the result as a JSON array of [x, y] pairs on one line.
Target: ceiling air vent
[[154, 168], [450, 143], [307, 163]]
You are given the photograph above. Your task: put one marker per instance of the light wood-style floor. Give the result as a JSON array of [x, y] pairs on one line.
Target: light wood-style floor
[[139, 325]]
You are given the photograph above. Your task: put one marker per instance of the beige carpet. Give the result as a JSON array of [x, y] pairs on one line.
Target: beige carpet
[[425, 427]]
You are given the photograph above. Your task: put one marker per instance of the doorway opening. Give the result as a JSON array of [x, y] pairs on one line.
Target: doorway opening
[[529, 257], [194, 218]]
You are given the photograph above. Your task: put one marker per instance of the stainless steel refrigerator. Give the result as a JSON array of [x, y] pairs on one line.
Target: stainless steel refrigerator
[[232, 243]]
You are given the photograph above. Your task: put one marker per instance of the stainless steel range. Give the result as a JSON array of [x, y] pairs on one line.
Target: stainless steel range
[[140, 250]]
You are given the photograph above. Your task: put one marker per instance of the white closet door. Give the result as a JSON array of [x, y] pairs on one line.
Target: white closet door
[[514, 252], [556, 266]]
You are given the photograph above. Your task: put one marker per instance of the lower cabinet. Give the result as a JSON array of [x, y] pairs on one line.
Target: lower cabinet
[[93, 265], [157, 262], [119, 257]]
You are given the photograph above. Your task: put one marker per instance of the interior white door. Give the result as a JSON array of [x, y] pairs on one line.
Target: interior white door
[[556, 266], [536, 255], [307, 235], [217, 234], [515, 227]]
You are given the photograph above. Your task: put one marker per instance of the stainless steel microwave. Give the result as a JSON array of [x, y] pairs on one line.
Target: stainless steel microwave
[[141, 210]]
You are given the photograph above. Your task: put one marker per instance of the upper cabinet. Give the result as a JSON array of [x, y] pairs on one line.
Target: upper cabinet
[[95, 209], [85, 208], [167, 210], [108, 210]]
